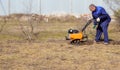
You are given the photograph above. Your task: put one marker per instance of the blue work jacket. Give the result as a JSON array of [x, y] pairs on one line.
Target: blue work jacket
[[100, 13]]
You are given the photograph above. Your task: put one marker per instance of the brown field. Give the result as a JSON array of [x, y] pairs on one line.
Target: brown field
[[51, 52]]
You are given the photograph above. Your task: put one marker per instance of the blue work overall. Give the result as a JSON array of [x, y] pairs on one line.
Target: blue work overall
[[103, 24]]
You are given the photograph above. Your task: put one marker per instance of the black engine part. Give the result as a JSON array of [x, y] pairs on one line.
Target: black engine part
[[72, 31]]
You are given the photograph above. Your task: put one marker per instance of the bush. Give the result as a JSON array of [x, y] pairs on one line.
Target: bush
[[117, 15]]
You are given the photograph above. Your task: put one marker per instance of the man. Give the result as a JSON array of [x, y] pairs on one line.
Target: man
[[102, 20]]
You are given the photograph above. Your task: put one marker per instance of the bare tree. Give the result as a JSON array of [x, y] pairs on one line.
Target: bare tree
[[2, 24], [71, 6], [9, 7], [29, 30], [115, 7], [40, 7], [113, 4]]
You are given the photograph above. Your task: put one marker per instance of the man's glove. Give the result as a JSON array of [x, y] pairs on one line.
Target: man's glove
[[98, 19], [94, 26]]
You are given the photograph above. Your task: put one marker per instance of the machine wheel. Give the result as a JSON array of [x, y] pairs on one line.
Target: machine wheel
[[75, 42], [85, 38]]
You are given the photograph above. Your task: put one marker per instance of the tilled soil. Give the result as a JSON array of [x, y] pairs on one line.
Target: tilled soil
[[89, 42], [59, 55], [60, 41]]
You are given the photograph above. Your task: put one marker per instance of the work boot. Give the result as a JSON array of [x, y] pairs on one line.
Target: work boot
[[96, 42], [105, 43]]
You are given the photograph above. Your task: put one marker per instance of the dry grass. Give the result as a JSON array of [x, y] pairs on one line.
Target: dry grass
[[58, 56], [52, 52]]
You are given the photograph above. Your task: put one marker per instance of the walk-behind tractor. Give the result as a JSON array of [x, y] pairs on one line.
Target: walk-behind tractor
[[76, 36]]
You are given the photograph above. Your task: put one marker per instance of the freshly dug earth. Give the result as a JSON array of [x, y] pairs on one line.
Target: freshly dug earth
[[89, 42]]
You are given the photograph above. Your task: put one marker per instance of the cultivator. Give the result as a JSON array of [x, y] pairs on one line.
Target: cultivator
[[77, 36]]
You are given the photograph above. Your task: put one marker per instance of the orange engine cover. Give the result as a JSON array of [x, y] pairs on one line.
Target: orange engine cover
[[76, 36]]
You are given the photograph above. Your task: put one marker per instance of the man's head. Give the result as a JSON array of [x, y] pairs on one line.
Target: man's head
[[92, 7]]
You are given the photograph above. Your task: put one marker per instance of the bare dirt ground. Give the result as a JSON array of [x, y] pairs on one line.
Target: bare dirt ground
[[58, 56], [53, 52]]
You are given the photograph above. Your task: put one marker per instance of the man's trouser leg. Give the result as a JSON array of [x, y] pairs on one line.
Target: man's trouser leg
[[98, 33], [104, 26]]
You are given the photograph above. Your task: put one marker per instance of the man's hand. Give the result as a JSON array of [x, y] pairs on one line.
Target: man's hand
[[98, 19]]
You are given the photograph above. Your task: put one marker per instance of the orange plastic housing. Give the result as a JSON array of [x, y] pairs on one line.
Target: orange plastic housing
[[76, 36]]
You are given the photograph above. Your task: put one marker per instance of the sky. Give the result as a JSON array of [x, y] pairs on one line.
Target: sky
[[49, 6]]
